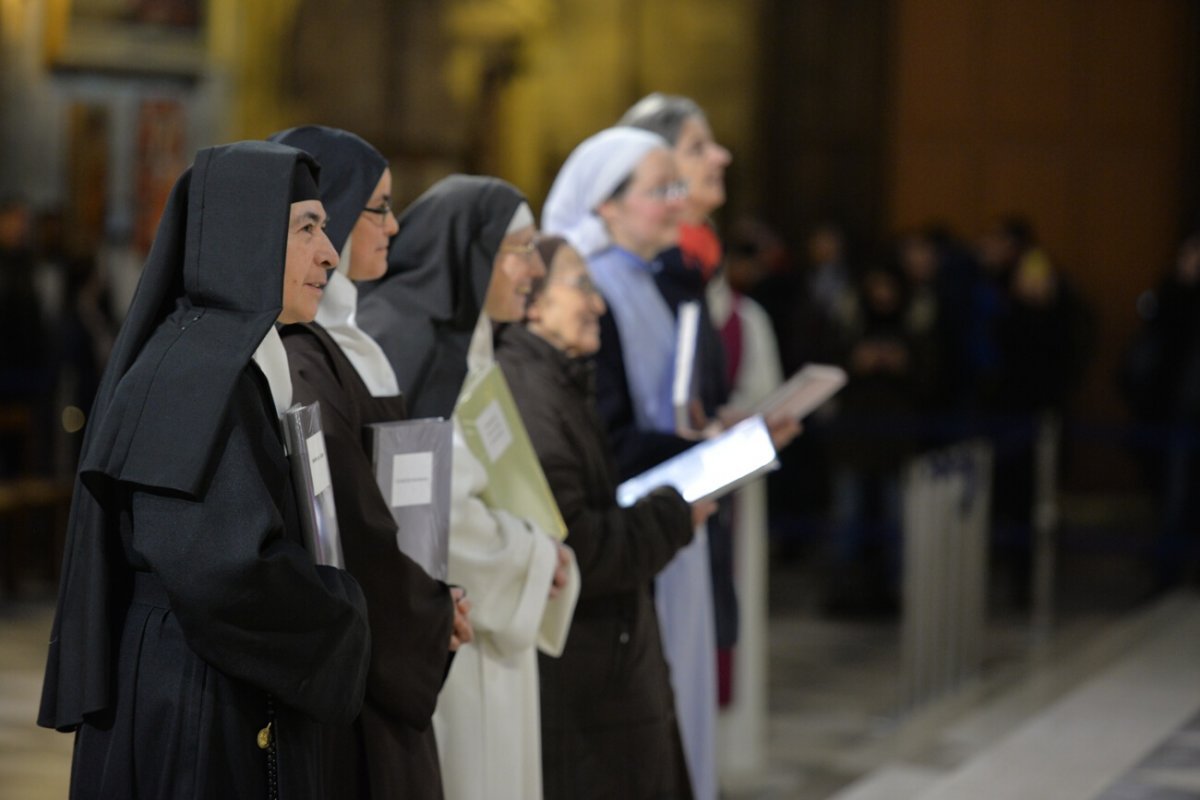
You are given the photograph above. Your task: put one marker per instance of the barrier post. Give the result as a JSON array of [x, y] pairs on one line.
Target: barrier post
[[946, 506]]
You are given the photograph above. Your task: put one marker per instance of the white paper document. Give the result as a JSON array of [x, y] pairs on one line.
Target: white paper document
[[710, 469], [318, 463], [494, 431], [412, 479], [311, 480], [804, 392]]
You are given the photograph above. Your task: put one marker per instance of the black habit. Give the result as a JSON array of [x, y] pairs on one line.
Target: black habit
[[424, 310], [189, 614], [608, 713], [391, 750]]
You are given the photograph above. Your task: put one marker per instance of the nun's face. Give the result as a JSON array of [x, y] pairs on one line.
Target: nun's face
[[701, 162], [369, 238], [310, 256], [567, 311], [516, 266], [644, 219]]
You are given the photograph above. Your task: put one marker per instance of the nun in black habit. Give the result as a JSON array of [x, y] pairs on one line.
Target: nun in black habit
[[391, 750], [196, 648], [424, 311]]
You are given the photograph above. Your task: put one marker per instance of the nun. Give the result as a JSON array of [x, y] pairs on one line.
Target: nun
[[415, 620], [196, 649], [608, 714], [618, 200], [463, 263]]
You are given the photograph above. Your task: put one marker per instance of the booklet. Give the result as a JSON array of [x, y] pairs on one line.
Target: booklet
[[685, 386], [412, 461], [710, 469], [314, 490], [804, 392], [494, 432]]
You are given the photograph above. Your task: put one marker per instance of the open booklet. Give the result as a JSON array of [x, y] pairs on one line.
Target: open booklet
[[314, 490], [710, 469], [412, 461], [493, 430], [802, 393], [685, 383]]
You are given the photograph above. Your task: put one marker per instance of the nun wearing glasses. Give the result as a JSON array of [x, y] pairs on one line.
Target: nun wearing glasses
[[416, 621]]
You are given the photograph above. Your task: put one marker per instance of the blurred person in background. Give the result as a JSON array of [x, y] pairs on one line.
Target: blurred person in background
[[1160, 380], [875, 434], [415, 620], [608, 712], [462, 265], [26, 368], [1040, 341]]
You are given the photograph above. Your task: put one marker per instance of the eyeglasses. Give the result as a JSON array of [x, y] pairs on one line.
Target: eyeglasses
[[525, 250], [583, 283], [676, 190], [383, 209]]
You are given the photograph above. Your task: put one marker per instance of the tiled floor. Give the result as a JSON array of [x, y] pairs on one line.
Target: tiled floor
[[35, 763], [836, 729]]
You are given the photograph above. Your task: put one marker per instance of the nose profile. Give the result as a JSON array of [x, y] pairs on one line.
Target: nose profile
[[327, 257]]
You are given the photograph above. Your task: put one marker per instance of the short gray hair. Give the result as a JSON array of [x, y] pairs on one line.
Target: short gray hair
[[663, 114]]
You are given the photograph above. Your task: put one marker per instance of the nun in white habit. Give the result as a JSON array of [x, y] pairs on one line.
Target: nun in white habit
[[618, 200]]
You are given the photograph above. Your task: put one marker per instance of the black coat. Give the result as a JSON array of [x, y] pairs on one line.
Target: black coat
[[608, 719], [411, 613], [189, 614]]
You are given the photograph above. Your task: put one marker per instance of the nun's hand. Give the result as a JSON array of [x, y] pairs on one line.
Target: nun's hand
[[462, 632], [783, 430], [562, 570]]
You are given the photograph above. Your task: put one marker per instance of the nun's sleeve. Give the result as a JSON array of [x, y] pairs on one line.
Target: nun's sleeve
[[249, 602]]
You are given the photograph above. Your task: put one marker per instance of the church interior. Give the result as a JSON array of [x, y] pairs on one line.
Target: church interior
[[1075, 671]]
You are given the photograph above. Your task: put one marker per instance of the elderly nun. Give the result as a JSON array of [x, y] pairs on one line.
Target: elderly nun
[[618, 200]]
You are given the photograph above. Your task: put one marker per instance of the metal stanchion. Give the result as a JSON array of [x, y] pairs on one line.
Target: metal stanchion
[[946, 505], [1045, 523]]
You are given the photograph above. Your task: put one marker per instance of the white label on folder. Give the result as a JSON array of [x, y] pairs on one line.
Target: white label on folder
[[318, 463], [493, 430], [412, 479]]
